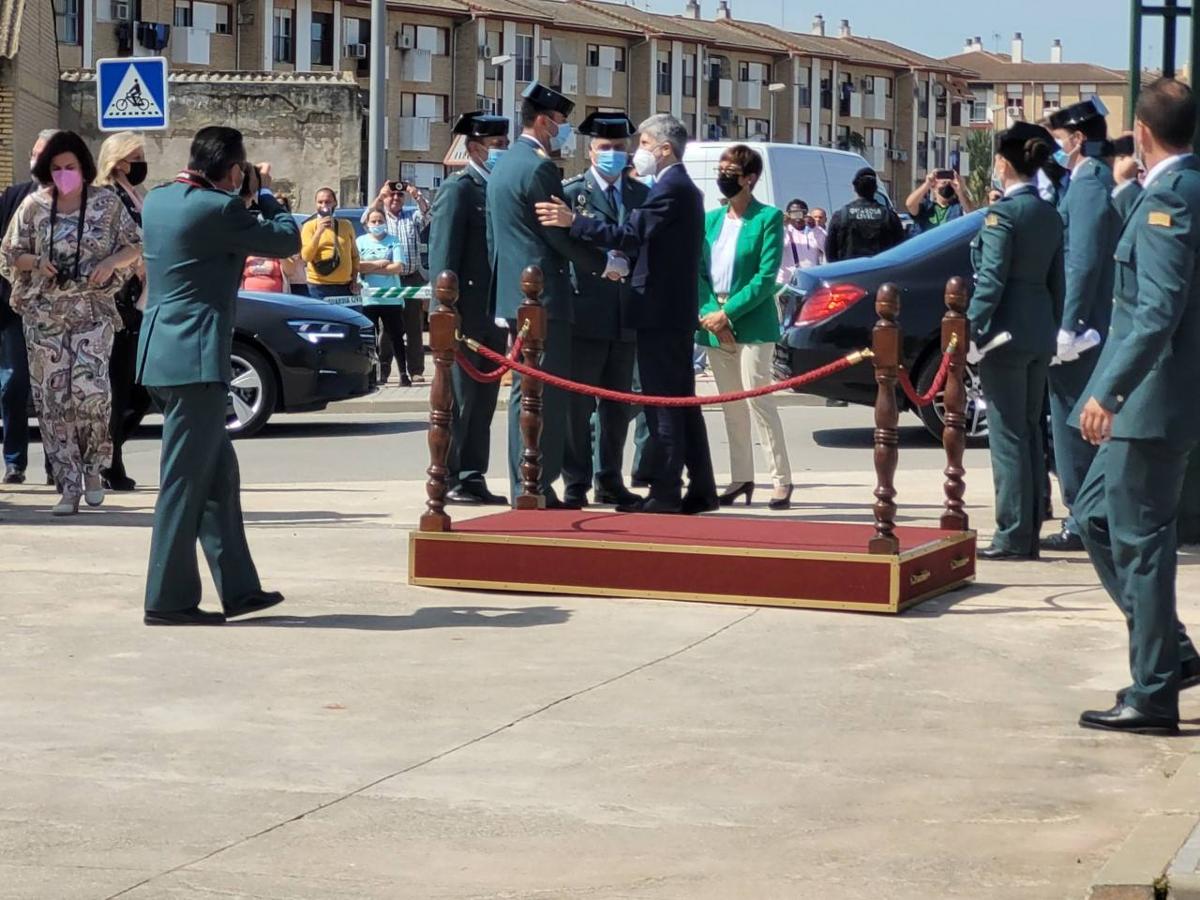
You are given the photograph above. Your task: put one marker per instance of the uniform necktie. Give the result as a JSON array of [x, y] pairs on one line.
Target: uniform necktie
[[615, 199]]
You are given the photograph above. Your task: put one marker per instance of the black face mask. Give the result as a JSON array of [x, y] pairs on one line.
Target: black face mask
[[946, 192], [137, 172], [729, 185]]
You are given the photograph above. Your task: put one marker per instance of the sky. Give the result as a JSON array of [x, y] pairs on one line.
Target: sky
[[1095, 31]]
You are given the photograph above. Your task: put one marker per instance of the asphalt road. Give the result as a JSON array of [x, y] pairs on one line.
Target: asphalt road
[[324, 448]]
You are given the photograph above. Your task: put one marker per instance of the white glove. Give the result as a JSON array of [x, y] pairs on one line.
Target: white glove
[[618, 265], [974, 355], [1066, 346]]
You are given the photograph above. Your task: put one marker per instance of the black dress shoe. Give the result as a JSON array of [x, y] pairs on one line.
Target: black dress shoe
[[1125, 718], [731, 493], [193, 616], [574, 501], [638, 481], [117, 481], [14, 475], [694, 504], [618, 496], [1063, 542], [999, 554], [256, 602], [650, 505], [552, 502], [476, 495]]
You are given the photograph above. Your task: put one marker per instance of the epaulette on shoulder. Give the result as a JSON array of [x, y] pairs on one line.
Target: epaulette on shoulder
[[578, 179]]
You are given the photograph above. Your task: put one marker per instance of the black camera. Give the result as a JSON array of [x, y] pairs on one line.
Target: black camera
[[1123, 146]]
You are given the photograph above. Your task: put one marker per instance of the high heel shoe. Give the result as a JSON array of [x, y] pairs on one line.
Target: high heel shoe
[[746, 488], [784, 502]]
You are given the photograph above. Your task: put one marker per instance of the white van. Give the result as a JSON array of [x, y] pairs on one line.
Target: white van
[[818, 176]]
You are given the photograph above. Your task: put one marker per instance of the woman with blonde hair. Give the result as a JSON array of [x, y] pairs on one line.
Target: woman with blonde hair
[[122, 167]]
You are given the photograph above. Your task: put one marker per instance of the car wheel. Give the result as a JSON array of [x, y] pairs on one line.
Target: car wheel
[[252, 392], [934, 415]]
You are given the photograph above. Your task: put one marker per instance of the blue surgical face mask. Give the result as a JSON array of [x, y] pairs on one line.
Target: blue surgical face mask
[[997, 182], [1062, 158], [561, 138], [377, 230], [611, 163], [494, 154]]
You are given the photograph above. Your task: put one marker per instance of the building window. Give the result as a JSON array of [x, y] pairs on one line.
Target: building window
[[1015, 101], [826, 92], [183, 14], [979, 106], [619, 59], [435, 40], [1051, 97], [955, 114], [1087, 92], [523, 58], [757, 129], [222, 19], [664, 74], [434, 107], [322, 39], [66, 21], [283, 38], [689, 75]]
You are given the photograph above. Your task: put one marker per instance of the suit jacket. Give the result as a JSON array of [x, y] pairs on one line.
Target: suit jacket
[[523, 176], [599, 303], [10, 202], [1125, 199], [1091, 228], [196, 243], [458, 243], [667, 235], [1150, 365], [751, 307], [1019, 278]]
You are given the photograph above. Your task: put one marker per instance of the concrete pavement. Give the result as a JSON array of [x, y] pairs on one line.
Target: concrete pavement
[[375, 740]]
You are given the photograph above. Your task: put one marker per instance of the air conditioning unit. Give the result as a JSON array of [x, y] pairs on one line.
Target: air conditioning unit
[[120, 10], [404, 41], [867, 84], [356, 51], [1015, 112], [898, 155], [485, 51]]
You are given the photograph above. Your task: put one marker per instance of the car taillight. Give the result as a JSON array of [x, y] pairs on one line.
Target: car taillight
[[827, 301]]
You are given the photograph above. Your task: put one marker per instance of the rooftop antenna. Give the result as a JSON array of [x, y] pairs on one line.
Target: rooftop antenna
[[995, 42]]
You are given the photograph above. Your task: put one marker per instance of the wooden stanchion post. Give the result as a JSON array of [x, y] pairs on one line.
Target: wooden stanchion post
[[954, 431], [885, 343], [443, 340], [532, 316]]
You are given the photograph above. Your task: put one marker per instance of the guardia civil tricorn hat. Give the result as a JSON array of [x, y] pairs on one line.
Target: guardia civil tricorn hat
[[1078, 113], [481, 125], [548, 99], [611, 125]]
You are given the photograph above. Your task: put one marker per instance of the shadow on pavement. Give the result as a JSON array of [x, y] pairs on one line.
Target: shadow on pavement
[[945, 604], [426, 617]]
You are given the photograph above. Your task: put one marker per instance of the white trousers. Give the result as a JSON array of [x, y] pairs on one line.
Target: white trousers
[[749, 366]]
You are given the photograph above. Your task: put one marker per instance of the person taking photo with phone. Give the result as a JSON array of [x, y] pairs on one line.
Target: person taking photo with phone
[[939, 199], [328, 247]]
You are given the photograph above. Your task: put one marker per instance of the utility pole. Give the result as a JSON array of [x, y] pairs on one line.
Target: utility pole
[[1170, 12], [377, 99]]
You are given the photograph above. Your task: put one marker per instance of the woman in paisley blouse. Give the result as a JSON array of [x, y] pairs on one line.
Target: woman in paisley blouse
[[67, 252]]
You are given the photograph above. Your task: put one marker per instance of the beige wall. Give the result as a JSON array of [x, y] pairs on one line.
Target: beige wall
[[34, 82], [310, 133]]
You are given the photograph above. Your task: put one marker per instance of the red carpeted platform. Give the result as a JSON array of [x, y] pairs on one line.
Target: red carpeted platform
[[767, 561]]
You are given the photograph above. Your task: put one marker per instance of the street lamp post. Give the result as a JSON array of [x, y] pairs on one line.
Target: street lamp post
[[775, 89], [377, 98]]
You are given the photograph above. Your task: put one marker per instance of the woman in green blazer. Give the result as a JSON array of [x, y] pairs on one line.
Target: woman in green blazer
[[1019, 289], [739, 318]]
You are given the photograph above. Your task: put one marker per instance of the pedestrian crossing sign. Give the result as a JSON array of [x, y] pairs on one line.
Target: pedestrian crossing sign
[[131, 93]]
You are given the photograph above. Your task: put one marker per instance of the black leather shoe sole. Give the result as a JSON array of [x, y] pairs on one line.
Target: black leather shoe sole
[[187, 617], [995, 554], [1135, 725], [616, 498], [255, 604]]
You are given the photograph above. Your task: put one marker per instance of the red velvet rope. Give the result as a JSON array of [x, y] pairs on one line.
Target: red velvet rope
[[497, 373], [939, 383], [647, 400]]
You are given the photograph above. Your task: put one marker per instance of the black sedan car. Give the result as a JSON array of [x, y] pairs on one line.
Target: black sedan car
[[293, 354], [829, 311]]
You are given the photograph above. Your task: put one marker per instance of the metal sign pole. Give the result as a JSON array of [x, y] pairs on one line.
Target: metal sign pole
[[377, 100]]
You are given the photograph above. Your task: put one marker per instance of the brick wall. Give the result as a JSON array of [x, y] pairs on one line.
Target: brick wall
[[35, 78], [6, 125]]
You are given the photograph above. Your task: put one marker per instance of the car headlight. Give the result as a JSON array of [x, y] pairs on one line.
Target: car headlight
[[317, 332]]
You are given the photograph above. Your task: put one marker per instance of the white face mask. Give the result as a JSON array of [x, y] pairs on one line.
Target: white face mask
[[645, 163]]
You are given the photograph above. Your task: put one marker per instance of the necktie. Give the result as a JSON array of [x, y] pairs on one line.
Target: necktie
[[615, 199]]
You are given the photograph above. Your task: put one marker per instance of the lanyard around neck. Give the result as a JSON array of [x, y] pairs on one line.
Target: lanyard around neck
[[78, 230]]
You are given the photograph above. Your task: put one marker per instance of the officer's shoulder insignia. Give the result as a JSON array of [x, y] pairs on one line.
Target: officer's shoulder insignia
[[1161, 219], [575, 180], [992, 220], [542, 153]]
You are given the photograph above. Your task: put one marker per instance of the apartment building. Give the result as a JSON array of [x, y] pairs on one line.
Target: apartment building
[[28, 82], [1010, 87]]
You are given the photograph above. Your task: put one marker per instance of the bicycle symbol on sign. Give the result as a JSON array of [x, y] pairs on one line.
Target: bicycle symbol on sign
[[133, 99]]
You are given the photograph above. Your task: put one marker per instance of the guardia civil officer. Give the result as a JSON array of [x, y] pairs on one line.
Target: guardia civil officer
[[1141, 411], [458, 243], [864, 226], [1019, 287], [1090, 226], [602, 343], [523, 176]]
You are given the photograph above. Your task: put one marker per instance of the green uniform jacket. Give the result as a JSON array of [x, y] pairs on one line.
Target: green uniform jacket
[[1019, 278], [458, 243], [751, 308], [598, 301], [1091, 225], [523, 176], [1126, 199], [1150, 366], [196, 242]]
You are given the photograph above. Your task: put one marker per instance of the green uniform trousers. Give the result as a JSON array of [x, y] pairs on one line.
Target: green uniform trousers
[[199, 497], [1072, 454], [471, 428], [597, 429], [1127, 510], [1014, 384], [556, 359], [641, 433]]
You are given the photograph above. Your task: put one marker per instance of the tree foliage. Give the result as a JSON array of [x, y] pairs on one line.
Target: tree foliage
[[979, 147]]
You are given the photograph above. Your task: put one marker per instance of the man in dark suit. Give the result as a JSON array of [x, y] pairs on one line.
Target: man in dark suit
[[458, 243], [667, 235], [14, 361], [602, 344], [1141, 411], [198, 233]]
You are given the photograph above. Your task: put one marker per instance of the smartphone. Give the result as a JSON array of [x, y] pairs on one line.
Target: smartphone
[[1123, 146], [944, 174]]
